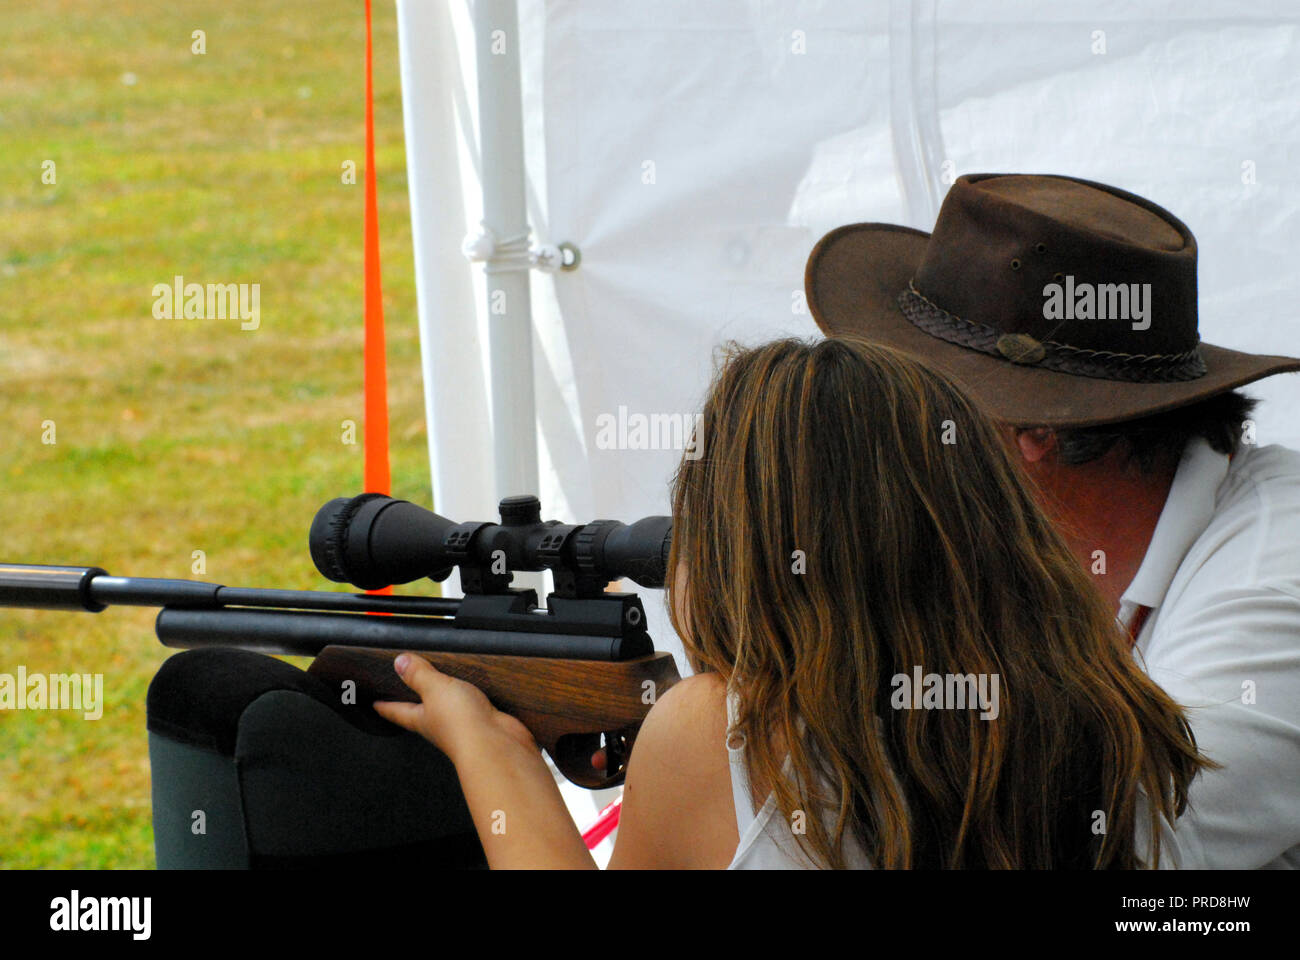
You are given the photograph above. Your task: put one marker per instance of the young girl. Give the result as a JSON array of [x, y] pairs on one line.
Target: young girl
[[898, 661]]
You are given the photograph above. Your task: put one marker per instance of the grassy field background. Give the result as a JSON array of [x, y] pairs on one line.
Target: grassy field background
[[177, 435]]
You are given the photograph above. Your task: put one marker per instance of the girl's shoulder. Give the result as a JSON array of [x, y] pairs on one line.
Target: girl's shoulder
[[677, 810], [689, 722]]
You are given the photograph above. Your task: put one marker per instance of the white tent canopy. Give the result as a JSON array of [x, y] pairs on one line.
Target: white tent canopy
[[694, 153]]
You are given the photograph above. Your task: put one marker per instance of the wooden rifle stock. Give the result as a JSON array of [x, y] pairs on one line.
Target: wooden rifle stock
[[566, 704]]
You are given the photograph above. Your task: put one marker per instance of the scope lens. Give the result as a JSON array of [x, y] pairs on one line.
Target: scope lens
[[374, 541]]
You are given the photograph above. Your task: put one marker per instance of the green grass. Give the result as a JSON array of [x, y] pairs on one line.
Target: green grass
[[177, 435]]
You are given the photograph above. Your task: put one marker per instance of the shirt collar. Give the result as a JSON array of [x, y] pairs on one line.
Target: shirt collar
[[1184, 517]]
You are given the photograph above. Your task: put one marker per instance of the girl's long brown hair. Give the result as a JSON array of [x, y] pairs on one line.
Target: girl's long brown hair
[[849, 515]]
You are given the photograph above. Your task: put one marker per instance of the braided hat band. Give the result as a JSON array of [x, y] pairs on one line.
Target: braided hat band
[[1061, 357]]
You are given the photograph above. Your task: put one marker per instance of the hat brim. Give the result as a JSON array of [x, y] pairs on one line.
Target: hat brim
[[855, 274]]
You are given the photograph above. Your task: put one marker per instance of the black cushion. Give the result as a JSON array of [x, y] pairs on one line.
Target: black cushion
[[288, 776]]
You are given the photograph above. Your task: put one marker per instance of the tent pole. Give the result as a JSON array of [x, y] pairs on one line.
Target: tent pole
[[509, 309]]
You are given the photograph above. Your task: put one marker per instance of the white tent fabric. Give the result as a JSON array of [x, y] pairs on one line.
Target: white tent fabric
[[695, 152]]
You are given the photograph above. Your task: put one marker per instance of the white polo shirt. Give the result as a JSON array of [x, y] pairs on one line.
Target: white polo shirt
[[1222, 576]]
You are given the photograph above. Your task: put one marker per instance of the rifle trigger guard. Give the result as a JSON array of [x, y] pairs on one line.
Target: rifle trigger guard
[[572, 755]]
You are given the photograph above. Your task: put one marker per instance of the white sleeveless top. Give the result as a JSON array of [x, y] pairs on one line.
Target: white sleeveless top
[[766, 842]]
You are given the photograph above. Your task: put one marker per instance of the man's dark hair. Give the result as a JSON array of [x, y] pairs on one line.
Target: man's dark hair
[[1159, 439]]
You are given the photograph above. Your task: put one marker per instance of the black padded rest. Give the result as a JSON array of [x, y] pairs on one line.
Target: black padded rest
[[198, 696], [290, 777]]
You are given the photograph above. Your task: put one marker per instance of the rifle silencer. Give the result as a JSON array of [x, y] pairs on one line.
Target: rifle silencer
[[48, 587]]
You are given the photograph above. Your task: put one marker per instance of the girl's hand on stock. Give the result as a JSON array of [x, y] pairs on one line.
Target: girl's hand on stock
[[453, 715]]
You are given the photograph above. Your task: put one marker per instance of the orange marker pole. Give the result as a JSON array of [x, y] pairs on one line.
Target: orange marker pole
[[377, 476]]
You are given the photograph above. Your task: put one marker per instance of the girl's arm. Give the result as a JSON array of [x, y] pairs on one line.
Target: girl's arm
[[516, 805], [677, 807]]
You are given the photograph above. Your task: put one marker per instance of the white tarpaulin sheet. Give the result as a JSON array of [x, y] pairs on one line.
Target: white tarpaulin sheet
[[695, 152]]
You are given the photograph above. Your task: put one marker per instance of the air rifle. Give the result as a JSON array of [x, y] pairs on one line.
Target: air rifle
[[580, 673]]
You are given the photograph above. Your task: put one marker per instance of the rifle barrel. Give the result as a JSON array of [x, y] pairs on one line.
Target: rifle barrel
[[93, 589]]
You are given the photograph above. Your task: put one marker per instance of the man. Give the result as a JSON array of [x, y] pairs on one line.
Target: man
[[1068, 309]]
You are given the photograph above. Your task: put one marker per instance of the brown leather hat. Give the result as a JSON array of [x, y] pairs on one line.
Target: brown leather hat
[[1053, 301]]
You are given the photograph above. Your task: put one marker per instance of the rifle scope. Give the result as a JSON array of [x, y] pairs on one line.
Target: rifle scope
[[374, 541]]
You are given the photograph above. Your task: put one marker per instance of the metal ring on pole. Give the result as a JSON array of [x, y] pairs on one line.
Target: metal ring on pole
[[572, 256], [554, 257]]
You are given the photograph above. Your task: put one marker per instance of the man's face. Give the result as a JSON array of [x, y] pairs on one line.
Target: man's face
[[1053, 483]]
